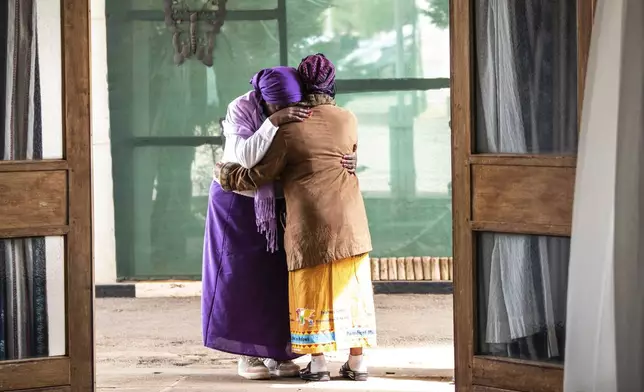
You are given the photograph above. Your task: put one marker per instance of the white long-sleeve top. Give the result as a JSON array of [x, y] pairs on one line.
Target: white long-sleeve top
[[248, 152]]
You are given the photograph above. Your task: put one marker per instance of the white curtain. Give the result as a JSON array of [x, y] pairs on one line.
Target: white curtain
[[605, 347], [526, 91]]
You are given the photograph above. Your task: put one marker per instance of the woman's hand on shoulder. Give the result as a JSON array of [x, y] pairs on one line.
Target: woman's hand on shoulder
[[289, 115]]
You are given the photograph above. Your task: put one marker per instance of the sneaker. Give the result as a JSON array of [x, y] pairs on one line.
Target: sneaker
[[346, 372], [307, 375], [282, 368], [252, 368]]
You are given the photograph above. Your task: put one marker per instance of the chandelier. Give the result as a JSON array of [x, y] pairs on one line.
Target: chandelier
[[194, 29]]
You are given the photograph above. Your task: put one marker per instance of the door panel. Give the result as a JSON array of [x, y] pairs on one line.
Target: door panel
[[41, 373], [514, 102], [522, 194], [33, 199], [46, 307], [516, 375]]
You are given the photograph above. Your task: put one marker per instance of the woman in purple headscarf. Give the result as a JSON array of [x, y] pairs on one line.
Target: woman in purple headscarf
[[245, 279]]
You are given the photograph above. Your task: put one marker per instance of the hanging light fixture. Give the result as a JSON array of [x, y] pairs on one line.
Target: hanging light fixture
[[194, 29]]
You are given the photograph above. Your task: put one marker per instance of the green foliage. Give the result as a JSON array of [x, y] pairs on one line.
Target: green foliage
[[368, 17], [438, 11]]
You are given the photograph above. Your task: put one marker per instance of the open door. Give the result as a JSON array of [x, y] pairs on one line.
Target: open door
[[46, 282], [517, 80]]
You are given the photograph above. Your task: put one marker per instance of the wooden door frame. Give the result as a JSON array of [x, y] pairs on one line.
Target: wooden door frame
[[471, 174], [70, 179]]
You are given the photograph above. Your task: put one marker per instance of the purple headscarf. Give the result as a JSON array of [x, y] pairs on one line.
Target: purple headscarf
[[279, 85], [318, 75]]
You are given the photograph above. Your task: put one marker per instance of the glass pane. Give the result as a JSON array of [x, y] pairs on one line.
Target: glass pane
[[30, 80], [32, 298], [155, 104], [527, 77], [404, 168], [390, 39], [522, 284], [151, 96], [170, 198], [160, 111]]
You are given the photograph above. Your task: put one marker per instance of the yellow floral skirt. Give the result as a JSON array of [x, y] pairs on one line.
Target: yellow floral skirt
[[331, 307]]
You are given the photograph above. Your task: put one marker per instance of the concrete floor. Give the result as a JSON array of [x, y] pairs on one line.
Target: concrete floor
[[154, 344]]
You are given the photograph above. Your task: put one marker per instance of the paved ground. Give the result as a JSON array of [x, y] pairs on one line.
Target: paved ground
[[155, 345]]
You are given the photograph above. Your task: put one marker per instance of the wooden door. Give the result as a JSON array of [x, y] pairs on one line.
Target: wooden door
[[46, 282], [517, 79]]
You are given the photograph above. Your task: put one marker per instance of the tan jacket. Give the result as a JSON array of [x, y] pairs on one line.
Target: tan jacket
[[326, 218]]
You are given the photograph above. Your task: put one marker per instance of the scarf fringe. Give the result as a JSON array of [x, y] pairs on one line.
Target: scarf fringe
[[266, 221]]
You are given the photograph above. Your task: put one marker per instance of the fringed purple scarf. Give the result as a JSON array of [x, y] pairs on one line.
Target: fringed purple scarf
[[281, 86]]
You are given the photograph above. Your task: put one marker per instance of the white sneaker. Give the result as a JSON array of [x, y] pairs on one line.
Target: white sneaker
[[252, 368], [282, 368]]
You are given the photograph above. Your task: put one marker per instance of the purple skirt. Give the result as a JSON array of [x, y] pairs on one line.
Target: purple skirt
[[245, 287]]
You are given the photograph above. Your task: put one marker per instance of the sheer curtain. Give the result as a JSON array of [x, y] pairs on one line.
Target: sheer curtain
[[605, 350], [526, 60], [23, 277]]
